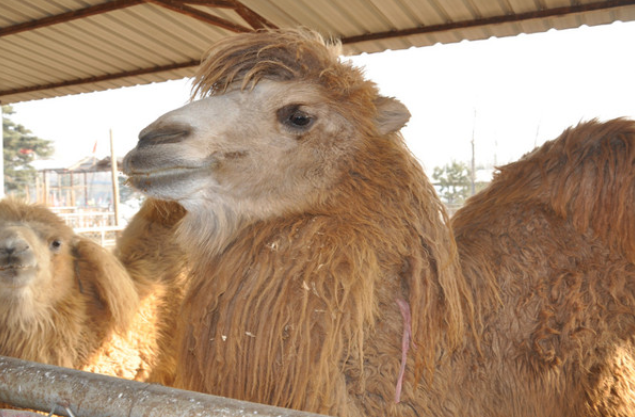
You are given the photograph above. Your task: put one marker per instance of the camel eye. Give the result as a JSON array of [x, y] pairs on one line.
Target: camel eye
[[56, 245], [294, 118]]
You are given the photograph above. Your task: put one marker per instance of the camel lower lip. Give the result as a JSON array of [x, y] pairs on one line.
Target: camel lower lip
[[166, 172], [15, 277], [167, 183], [8, 272], [13, 268], [170, 174]]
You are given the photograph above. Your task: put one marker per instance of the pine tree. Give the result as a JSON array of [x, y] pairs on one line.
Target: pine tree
[[21, 147], [453, 181]]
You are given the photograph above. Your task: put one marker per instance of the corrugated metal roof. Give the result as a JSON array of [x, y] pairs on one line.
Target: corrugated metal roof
[[59, 47]]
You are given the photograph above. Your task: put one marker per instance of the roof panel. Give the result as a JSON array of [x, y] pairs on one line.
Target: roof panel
[[276, 12], [330, 16], [62, 47], [456, 10], [397, 14]]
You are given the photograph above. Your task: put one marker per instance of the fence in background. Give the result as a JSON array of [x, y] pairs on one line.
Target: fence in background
[[96, 223], [106, 236]]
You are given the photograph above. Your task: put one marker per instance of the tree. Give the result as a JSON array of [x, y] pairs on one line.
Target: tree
[[21, 148], [453, 181]]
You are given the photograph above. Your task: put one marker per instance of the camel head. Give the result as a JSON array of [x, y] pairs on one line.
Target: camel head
[[35, 249], [279, 121]]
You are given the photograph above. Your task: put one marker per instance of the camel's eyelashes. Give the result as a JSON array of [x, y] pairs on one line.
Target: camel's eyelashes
[[293, 117]]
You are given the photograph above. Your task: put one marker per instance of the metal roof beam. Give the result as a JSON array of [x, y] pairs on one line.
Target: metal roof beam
[[226, 4], [68, 16], [509, 18], [251, 17], [254, 19], [179, 7]]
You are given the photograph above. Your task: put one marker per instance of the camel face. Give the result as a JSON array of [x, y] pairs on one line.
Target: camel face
[[242, 148], [25, 256], [35, 262]]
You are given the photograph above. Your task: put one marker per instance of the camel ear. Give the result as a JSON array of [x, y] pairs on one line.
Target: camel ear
[[392, 115], [111, 293]]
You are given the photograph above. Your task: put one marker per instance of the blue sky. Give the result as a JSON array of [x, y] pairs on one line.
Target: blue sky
[[509, 94]]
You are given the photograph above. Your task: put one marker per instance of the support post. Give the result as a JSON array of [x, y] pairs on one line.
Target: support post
[[115, 182]]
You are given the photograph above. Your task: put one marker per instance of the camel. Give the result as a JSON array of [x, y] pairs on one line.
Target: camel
[[67, 301], [552, 234], [62, 297], [326, 276], [319, 250]]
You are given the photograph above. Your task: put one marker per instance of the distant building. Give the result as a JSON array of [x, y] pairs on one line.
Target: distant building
[[85, 183]]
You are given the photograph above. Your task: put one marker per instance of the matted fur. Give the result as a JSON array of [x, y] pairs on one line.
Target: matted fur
[[274, 55], [300, 308], [300, 55], [148, 250], [304, 307], [553, 234]]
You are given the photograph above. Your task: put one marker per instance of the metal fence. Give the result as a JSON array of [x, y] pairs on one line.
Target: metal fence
[[98, 224], [106, 236], [74, 393]]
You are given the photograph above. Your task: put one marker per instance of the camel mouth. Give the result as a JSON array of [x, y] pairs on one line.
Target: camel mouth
[[168, 182], [16, 276], [15, 267], [147, 164], [166, 172], [157, 178]]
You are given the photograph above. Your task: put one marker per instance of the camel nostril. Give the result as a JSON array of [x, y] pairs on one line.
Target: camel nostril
[[162, 136], [14, 248]]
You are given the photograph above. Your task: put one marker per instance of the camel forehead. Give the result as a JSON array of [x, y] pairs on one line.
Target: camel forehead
[[264, 96], [32, 230]]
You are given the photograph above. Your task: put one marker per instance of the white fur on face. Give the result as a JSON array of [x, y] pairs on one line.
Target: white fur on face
[[21, 256], [26, 270], [240, 150]]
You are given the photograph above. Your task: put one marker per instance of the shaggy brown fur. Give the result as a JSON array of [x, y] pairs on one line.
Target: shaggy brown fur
[[308, 260], [549, 248], [148, 250], [61, 296], [301, 303]]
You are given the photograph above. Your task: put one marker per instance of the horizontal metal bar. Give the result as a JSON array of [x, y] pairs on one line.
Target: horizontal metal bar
[[42, 387], [492, 20], [97, 9], [98, 229]]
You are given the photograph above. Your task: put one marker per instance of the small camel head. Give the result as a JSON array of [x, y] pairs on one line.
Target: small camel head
[[23, 254], [279, 127], [35, 257]]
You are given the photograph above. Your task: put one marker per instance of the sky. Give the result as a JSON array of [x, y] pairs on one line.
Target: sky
[[508, 95]]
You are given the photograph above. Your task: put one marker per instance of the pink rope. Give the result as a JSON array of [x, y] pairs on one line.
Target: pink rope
[[404, 307]]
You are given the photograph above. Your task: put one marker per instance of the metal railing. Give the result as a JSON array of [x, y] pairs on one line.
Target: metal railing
[[97, 224], [73, 393], [106, 236]]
